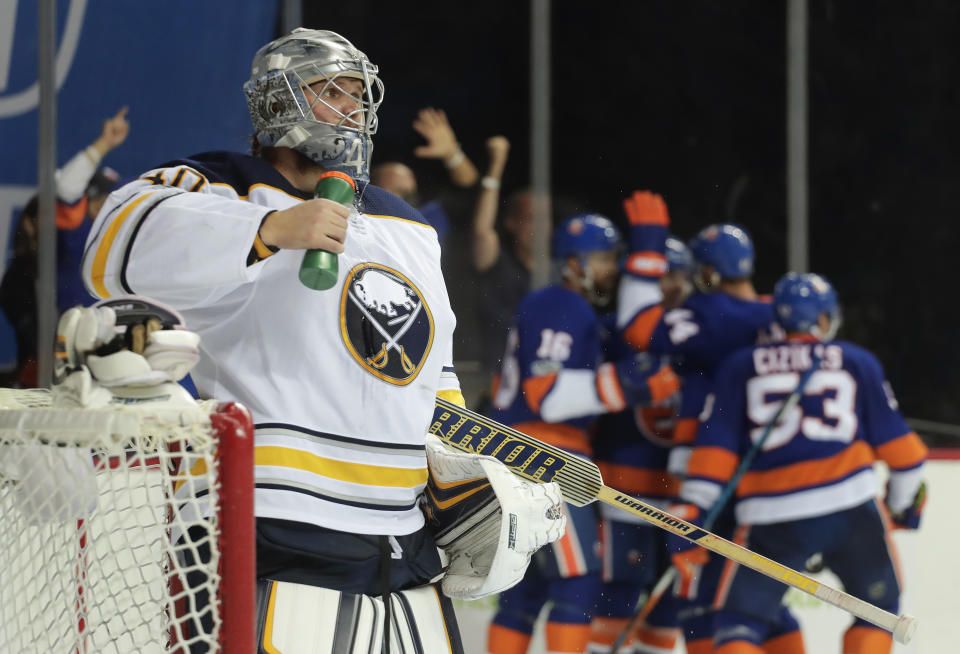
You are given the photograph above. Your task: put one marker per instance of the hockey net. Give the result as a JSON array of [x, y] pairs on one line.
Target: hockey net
[[125, 529]]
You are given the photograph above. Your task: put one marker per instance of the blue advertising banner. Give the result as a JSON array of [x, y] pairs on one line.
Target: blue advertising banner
[[179, 66]]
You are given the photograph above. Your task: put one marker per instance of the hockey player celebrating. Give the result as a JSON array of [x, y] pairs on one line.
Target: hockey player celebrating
[[341, 383], [812, 488], [630, 449], [723, 314], [553, 383]]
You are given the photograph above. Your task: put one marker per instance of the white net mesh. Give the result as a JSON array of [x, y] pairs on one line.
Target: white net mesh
[[108, 540]]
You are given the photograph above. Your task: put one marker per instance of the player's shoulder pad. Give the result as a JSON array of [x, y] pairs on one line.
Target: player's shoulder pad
[[375, 201], [239, 171], [758, 311], [860, 357], [558, 304], [741, 359], [696, 306]]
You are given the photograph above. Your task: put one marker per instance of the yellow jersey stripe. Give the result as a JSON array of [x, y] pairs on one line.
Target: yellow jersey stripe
[[268, 645], [355, 473], [446, 632], [199, 469], [454, 397], [106, 243]]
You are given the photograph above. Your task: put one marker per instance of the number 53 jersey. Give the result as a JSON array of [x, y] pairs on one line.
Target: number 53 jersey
[[819, 457]]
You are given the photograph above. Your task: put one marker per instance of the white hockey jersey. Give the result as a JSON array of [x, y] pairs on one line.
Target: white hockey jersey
[[342, 382]]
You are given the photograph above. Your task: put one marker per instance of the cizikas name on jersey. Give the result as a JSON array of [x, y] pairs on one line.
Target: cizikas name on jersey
[[471, 435]]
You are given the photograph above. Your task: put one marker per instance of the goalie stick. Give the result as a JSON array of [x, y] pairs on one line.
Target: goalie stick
[[581, 483], [663, 583]]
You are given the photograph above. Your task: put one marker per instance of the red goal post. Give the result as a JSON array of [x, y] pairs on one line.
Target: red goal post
[[117, 523]]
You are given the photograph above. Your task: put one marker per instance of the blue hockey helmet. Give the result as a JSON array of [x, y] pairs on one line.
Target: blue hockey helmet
[[800, 298], [678, 255], [726, 248], [585, 233]]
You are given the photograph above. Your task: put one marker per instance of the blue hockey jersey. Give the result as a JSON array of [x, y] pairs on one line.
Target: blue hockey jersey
[[819, 458]]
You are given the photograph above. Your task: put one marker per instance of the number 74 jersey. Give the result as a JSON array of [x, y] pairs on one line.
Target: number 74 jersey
[[818, 458]]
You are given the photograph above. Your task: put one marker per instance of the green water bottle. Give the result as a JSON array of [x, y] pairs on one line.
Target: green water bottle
[[319, 267]]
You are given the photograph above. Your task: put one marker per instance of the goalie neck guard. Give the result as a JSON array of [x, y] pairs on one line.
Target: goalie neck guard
[[280, 99]]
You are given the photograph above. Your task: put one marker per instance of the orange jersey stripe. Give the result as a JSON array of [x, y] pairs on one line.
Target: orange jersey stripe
[[685, 431], [807, 473], [737, 647], [866, 640], [705, 646], [712, 463], [564, 637], [604, 631], [608, 388], [536, 388], [568, 553], [905, 451], [660, 638], [789, 643], [640, 330], [70, 216], [559, 434], [639, 481], [506, 640], [663, 384]]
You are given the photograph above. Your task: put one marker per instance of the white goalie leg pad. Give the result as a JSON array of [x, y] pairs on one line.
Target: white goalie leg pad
[[300, 619], [489, 548]]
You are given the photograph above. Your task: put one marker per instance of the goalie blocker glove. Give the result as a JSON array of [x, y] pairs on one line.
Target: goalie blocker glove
[[487, 520], [127, 349]]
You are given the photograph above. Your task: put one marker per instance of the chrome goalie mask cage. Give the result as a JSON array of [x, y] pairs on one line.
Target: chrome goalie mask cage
[[292, 75]]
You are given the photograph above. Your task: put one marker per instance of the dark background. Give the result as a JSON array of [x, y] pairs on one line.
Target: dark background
[[688, 99]]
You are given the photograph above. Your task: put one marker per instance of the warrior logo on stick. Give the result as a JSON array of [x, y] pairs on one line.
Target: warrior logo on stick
[[385, 323]]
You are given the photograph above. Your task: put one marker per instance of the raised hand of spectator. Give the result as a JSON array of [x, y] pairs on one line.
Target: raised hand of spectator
[[432, 124], [498, 149], [486, 241], [114, 132]]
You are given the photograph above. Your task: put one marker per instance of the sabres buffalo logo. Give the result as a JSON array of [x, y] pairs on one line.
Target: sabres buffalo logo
[[385, 323]]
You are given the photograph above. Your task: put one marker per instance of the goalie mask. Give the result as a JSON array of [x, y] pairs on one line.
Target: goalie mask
[[300, 72]]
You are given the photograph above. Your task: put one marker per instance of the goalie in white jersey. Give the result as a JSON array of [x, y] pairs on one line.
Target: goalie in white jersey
[[341, 382]]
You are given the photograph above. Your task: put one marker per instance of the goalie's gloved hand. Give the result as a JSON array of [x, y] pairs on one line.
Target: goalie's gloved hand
[[126, 341], [487, 520], [909, 518], [639, 379], [688, 558]]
